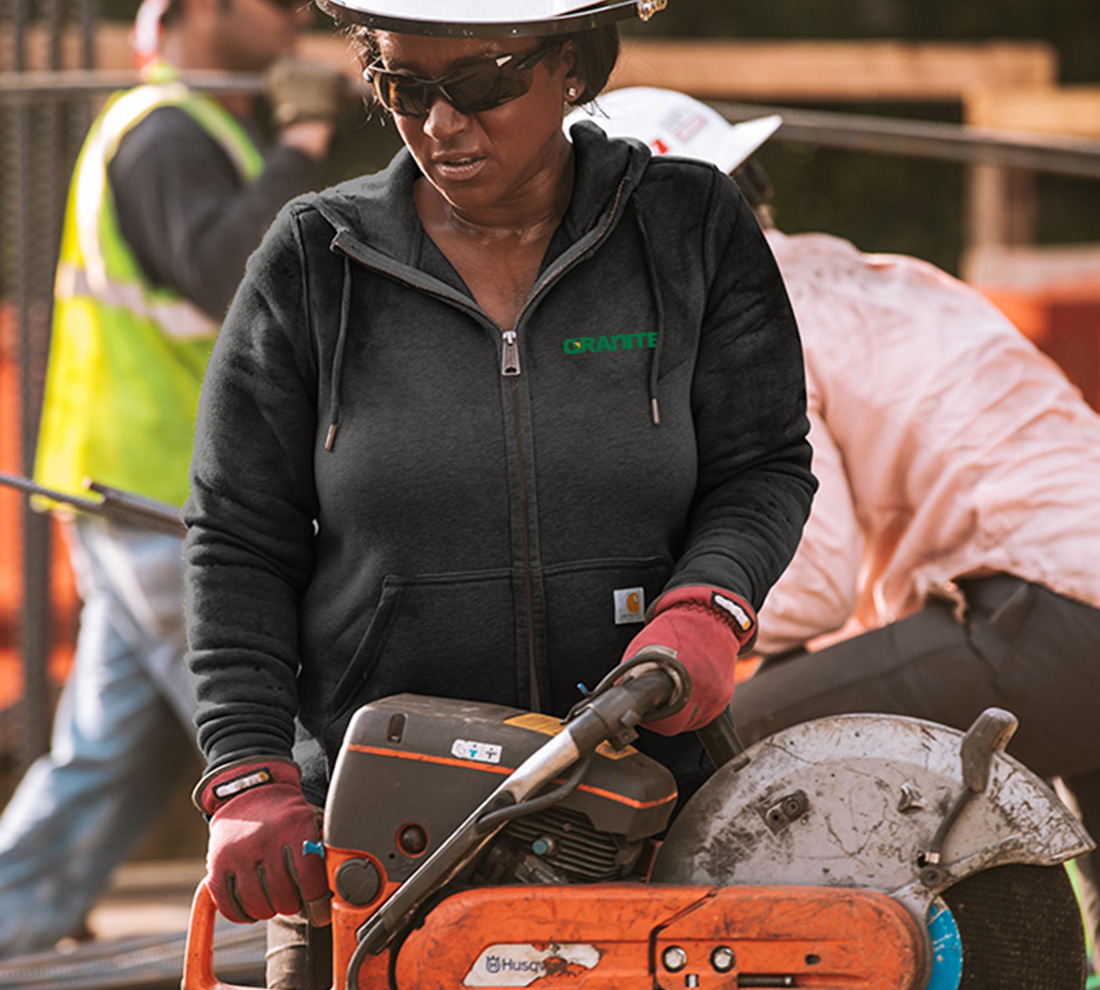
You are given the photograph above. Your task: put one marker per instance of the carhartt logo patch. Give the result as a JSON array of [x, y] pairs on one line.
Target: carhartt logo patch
[[629, 606], [609, 342]]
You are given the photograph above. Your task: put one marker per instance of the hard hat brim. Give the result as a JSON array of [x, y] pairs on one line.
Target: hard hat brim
[[486, 18], [678, 124]]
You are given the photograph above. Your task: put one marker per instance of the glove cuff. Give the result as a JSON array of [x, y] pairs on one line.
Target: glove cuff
[[729, 608], [230, 780]]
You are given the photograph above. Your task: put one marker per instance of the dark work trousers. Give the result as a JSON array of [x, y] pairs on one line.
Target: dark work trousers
[[1019, 647]]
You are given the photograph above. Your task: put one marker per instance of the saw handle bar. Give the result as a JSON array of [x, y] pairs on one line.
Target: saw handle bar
[[656, 701], [198, 960], [492, 820], [659, 686], [653, 681]]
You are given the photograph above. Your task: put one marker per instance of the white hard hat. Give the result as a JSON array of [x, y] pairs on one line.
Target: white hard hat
[[488, 18], [145, 33], [671, 123]]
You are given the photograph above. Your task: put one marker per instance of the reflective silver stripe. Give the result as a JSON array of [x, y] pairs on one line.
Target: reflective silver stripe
[[180, 318], [91, 182]]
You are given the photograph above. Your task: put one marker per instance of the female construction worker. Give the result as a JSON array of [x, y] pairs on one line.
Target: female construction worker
[[478, 426]]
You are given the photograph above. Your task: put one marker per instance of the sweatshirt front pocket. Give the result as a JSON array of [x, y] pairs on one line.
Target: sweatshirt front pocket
[[595, 608], [444, 634]]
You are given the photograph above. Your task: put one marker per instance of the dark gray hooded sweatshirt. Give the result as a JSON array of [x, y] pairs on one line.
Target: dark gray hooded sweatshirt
[[390, 493]]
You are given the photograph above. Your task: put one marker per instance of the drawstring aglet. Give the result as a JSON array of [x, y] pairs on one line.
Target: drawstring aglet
[[330, 438], [655, 410]]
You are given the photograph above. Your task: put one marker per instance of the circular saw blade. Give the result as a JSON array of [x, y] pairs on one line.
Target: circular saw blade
[[1020, 926]]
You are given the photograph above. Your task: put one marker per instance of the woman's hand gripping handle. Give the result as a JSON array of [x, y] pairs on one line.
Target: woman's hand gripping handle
[[259, 820], [704, 628]]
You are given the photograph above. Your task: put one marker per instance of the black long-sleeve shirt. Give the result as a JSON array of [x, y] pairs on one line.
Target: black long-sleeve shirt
[[187, 213]]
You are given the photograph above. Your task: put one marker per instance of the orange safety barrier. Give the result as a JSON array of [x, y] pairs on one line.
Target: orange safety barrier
[[1063, 320], [63, 595]]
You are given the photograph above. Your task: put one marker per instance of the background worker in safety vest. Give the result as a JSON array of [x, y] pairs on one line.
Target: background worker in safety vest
[[956, 529], [170, 195]]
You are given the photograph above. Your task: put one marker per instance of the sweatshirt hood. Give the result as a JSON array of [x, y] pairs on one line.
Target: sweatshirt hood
[[375, 222], [378, 212]]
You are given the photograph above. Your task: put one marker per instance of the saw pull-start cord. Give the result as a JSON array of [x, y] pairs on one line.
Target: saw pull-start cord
[[652, 682]]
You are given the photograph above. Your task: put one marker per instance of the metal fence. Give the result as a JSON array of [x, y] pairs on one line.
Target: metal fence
[[38, 146]]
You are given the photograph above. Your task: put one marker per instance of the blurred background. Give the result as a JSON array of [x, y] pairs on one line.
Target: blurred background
[[964, 133]]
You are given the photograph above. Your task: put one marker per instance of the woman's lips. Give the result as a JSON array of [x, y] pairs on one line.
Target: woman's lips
[[458, 168]]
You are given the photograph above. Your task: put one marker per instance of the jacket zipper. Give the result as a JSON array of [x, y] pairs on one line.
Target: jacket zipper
[[534, 695], [510, 368], [509, 356]]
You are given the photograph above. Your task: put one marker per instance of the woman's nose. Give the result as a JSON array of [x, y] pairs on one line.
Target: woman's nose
[[443, 120]]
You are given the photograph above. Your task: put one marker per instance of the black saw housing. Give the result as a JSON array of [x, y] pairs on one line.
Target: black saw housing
[[413, 768]]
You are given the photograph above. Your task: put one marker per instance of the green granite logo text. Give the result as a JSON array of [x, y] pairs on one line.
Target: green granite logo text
[[609, 342]]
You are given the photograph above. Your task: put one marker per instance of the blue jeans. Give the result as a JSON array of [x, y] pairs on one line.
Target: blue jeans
[[116, 749]]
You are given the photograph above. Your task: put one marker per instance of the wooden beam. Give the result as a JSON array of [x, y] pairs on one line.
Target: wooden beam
[[112, 47], [1002, 202], [1046, 109], [1065, 270], [833, 71], [802, 71], [1001, 206]]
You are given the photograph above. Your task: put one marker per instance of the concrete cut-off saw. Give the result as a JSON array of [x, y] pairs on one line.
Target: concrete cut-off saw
[[473, 846]]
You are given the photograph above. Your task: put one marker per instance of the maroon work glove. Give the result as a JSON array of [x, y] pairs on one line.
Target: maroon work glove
[[255, 866], [706, 627]]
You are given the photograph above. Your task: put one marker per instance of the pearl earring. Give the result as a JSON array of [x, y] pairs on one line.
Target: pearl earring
[[571, 93]]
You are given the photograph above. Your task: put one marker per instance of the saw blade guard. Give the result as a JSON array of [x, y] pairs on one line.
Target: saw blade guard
[[861, 801]]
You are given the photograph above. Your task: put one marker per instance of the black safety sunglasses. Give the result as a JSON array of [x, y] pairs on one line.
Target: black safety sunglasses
[[474, 88]]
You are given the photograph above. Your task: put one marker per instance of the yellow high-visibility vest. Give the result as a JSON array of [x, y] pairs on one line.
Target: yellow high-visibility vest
[[126, 357]]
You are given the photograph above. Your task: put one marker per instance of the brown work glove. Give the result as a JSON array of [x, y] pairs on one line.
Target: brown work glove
[[304, 89]]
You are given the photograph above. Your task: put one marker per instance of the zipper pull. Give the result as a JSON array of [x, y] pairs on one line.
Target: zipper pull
[[509, 359]]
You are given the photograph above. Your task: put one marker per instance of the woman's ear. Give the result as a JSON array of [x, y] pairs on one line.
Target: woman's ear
[[573, 85]]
